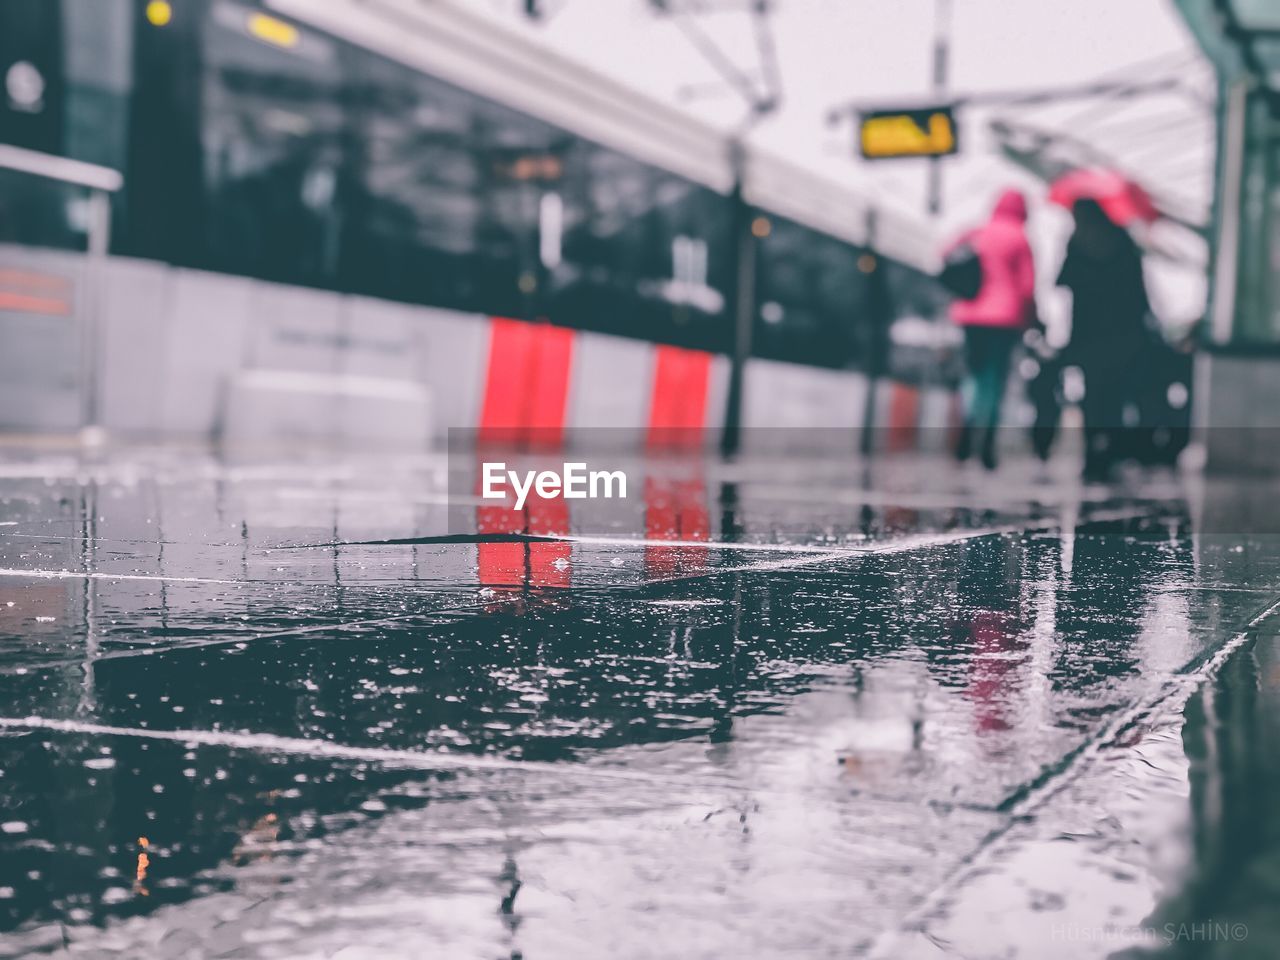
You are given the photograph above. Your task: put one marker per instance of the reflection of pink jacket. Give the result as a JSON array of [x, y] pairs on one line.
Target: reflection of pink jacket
[[1007, 296]]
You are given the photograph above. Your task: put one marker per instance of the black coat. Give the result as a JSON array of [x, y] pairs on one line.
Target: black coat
[[1109, 303]]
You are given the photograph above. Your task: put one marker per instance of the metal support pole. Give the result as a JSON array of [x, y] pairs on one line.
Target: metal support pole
[[941, 65], [741, 304], [877, 313], [934, 201], [99, 240]]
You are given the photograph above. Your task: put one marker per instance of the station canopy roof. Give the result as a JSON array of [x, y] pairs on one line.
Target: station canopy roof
[[1240, 36]]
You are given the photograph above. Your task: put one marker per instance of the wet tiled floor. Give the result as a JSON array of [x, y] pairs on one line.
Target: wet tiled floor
[[761, 709]]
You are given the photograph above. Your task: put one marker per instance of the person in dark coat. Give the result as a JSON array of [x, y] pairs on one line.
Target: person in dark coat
[[1109, 307]]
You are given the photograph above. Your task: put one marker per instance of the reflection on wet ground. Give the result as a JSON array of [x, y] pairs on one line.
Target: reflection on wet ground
[[1226, 907], [759, 709]]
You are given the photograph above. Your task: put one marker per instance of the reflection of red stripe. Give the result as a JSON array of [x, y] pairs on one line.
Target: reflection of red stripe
[[527, 385], [525, 564], [501, 564], [904, 416], [675, 509], [549, 563], [678, 407]]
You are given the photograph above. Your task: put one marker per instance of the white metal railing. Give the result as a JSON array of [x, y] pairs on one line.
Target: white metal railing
[[51, 167], [101, 182]]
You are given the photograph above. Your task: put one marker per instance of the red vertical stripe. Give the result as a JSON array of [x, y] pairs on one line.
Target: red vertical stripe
[[527, 383], [507, 381], [678, 405], [549, 396]]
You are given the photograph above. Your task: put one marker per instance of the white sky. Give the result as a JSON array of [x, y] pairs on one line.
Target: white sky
[[831, 51]]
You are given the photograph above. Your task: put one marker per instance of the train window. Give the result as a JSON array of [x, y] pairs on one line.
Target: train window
[[272, 143], [913, 293], [330, 166], [31, 74], [327, 165], [924, 347], [644, 251], [810, 295], [98, 55], [443, 204]]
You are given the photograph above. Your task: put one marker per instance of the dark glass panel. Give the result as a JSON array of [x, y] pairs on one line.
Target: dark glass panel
[[31, 74], [164, 198], [272, 134], [437, 207], [813, 299], [42, 213], [641, 252]]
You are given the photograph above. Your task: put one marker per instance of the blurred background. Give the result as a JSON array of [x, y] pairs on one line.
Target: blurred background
[[368, 222]]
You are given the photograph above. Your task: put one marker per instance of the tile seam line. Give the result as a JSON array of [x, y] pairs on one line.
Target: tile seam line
[[804, 560], [427, 761]]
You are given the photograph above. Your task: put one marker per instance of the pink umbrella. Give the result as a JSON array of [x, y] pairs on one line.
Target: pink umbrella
[[1122, 199]]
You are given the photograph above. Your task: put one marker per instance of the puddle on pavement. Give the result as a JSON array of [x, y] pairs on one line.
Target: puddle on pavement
[[722, 756]]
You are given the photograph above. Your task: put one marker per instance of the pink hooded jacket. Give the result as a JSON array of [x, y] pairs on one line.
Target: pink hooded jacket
[[1007, 297]]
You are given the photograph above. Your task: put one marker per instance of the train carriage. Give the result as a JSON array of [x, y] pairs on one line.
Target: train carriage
[[326, 206]]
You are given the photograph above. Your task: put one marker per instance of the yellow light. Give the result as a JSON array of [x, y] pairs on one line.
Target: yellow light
[[159, 13], [761, 227], [273, 31]]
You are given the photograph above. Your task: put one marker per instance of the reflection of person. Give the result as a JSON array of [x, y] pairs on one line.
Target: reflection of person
[[989, 627], [993, 321], [1103, 271]]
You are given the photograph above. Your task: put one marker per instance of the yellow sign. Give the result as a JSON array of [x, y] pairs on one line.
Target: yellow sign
[[908, 133]]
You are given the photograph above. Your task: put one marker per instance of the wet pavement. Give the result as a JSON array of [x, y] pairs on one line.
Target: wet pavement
[[775, 708]]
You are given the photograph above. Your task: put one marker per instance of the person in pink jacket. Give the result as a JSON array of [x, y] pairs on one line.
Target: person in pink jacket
[[994, 320]]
